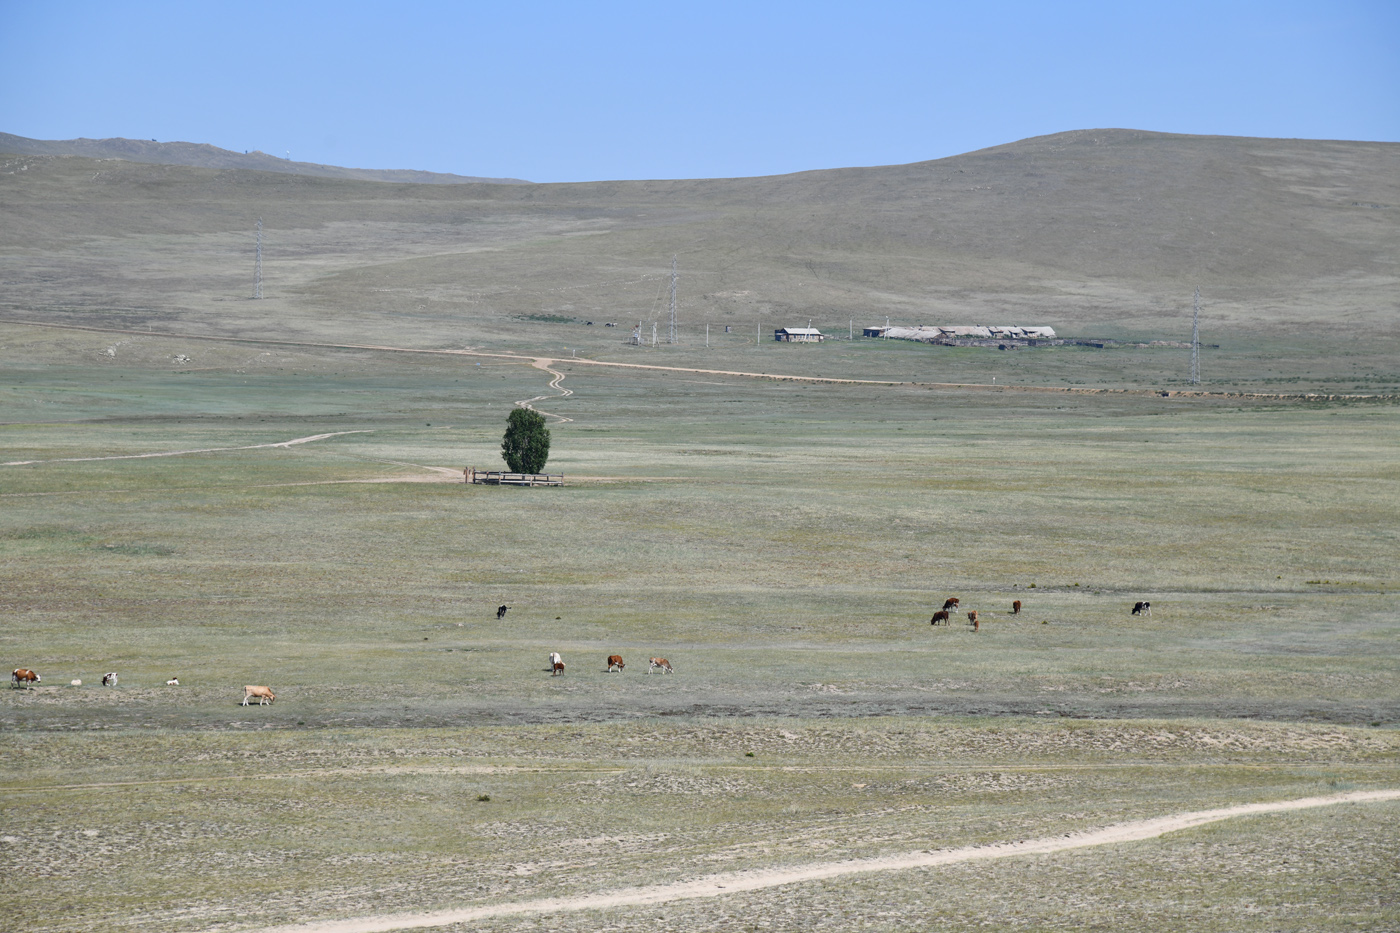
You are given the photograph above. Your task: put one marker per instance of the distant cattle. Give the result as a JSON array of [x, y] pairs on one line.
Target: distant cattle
[[556, 663], [1142, 608], [501, 612], [173, 682], [615, 663], [263, 694], [939, 616], [950, 603], [109, 680], [660, 663], [972, 617], [24, 675], [1016, 607]]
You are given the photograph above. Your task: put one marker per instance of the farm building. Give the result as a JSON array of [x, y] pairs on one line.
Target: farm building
[[798, 335], [954, 335]]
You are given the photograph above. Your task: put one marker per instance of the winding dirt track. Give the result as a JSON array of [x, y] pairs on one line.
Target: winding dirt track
[[200, 450], [732, 882], [543, 363]]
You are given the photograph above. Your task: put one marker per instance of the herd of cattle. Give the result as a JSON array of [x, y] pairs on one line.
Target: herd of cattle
[[23, 676], [615, 664], [950, 605]]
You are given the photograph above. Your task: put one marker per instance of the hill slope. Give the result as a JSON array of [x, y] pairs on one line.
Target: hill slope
[[1096, 231], [203, 155]]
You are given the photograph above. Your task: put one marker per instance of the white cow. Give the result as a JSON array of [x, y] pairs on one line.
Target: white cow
[[556, 663]]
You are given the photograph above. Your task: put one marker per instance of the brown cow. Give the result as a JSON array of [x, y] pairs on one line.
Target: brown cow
[[615, 663], [264, 695], [950, 603], [661, 663], [939, 616], [1016, 608], [24, 675], [972, 617]]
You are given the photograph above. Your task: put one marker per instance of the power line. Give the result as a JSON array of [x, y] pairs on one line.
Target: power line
[[257, 265], [672, 338], [1196, 342]]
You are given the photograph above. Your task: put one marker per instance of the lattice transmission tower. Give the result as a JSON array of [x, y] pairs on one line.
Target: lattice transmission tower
[[1196, 342], [257, 265], [672, 337]]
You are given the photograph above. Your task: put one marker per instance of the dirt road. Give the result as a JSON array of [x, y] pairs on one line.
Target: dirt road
[[722, 885]]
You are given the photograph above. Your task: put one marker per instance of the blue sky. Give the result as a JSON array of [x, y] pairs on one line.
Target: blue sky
[[582, 91]]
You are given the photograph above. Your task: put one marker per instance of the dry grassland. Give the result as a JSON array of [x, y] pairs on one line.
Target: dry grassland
[[783, 543]]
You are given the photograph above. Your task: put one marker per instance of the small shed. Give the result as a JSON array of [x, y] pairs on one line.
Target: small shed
[[798, 335]]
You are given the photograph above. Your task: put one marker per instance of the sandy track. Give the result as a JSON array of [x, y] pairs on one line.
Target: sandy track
[[553, 384], [729, 883], [199, 450]]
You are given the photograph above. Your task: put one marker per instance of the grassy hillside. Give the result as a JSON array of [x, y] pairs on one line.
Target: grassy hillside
[[1098, 233]]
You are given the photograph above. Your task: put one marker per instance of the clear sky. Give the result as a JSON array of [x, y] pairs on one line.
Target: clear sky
[[576, 91]]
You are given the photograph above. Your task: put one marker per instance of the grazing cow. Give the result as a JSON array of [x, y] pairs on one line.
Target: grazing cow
[[1016, 607], [615, 663], [950, 603], [501, 612], [939, 616], [24, 675], [1142, 608], [109, 680], [662, 663], [264, 695], [173, 682], [556, 663], [972, 617]]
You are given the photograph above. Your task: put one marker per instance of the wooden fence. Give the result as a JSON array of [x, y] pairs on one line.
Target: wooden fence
[[500, 478]]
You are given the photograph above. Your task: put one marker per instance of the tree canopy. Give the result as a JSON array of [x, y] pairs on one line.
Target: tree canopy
[[526, 442]]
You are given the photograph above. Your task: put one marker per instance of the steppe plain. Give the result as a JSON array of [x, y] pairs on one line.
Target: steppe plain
[[782, 540]]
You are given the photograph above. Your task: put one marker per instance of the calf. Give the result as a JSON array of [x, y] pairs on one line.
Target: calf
[[939, 616], [501, 611], [264, 695], [662, 664], [109, 680], [950, 603], [1016, 607], [1142, 608], [615, 663], [972, 617], [24, 675]]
